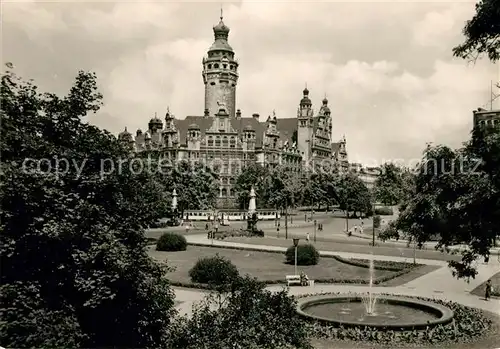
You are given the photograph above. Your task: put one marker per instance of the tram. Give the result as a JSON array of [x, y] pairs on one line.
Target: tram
[[229, 215]]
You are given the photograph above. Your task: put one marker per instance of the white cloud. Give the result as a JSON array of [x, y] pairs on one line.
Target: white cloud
[[386, 68]]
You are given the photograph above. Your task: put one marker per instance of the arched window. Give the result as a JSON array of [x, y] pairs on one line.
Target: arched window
[[210, 66], [224, 192], [210, 141], [217, 141], [224, 142], [216, 66]]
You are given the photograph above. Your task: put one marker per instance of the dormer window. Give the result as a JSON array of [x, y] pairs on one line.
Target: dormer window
[[216, 66]]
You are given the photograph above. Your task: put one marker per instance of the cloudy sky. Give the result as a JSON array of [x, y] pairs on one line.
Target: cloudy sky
[[386, 67]]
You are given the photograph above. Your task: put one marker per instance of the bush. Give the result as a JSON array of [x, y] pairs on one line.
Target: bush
[[215, 270], [171, 242], [306, 255], [384, 211], [376, 221]]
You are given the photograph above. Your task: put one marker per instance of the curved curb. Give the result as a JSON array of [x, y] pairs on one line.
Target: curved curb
[[445, 314]]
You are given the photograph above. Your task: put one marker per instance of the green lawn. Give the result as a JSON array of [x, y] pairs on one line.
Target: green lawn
[[495, 282], [354, 246], [265, 266]]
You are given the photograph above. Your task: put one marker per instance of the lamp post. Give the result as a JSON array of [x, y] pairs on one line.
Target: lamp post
[[373, 225], [216, 227], [295, 243], [315, 222], [286, 218]]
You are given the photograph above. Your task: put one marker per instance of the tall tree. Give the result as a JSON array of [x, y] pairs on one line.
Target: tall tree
[[75, 272], [352, 194], [389, 184], [482, 33], [196, 185], [256, 176], [458, 198], [284, 188]]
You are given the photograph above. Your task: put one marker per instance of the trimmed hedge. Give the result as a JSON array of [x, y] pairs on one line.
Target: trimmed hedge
[[215, 270], [306, 255], [361, 281], [171, 242]]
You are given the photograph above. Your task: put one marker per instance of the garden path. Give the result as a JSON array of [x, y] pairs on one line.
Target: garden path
[[439, 284]]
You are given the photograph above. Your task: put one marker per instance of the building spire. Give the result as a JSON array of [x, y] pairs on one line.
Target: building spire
[[221, 13]]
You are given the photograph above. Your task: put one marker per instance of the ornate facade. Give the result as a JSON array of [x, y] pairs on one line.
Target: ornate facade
[[223, 136]]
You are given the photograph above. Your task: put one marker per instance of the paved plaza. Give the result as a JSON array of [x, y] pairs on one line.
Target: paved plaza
[[439, 284]]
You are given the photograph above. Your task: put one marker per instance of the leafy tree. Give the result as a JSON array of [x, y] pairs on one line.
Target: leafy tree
[[482, 33], [284, 188], [75, 271], [246, 316], [312, 190], [389, 185], [255, 176], [352, 194], [196, 185], [458, 198]]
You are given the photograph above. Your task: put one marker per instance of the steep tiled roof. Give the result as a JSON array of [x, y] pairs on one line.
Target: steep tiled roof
[[286, 127], [335, 147], [205, 124]]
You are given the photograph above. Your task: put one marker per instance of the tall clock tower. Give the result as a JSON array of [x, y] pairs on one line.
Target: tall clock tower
[[220, 74]]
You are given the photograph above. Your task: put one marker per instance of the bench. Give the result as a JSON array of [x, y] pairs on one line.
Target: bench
[[293, 280]]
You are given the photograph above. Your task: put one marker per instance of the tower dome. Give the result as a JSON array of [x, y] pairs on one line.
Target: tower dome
[[221, 29], [125, 135], [305, 99]]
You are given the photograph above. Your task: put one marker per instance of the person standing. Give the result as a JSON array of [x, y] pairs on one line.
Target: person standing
[[487, 291], [307, 237]]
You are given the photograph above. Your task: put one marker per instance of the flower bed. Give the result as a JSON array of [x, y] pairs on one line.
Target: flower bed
[[378, 264], [468, 326]]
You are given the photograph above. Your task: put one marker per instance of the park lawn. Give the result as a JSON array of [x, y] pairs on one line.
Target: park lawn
[[495, 282], [265, 266], [354, 246]]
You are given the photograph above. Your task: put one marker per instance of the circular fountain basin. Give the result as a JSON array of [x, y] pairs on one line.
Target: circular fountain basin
[[390, 312]]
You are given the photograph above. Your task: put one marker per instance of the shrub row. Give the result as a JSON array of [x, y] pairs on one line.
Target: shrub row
[[378, 264], [364, 281]]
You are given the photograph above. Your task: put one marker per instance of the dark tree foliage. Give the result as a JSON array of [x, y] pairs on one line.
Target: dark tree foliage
[[245, 317], [196, 185], [255, 176], [389, 185], [352, 194], [482, 33], [458, 197], [75, 272]]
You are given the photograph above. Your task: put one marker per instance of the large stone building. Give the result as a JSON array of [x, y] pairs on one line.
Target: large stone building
[[225, 136], [483, 117]]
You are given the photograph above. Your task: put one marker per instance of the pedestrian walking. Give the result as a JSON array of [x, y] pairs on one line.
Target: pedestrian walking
[[486, 258], [487, 291], [307, 237]]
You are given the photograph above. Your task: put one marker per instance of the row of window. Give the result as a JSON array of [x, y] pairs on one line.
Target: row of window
[[220, 53], [224, 66], [491, 122]]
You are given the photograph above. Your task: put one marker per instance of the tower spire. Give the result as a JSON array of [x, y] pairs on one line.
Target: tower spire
[[221, 13]]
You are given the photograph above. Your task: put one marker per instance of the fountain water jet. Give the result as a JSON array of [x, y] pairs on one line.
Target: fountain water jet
[[370, 300]]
